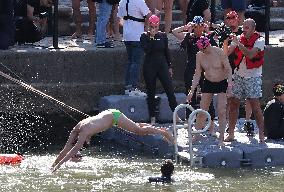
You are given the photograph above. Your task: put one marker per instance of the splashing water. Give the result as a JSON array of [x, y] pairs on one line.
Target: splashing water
[[21, 129]]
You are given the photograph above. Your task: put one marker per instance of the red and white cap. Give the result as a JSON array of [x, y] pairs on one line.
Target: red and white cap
[[232, 14]]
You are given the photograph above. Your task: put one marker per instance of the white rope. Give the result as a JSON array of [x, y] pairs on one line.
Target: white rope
[[29, 87]]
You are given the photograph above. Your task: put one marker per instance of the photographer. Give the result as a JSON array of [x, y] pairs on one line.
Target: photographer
[[232, 25], [274, 114], [31, 20]]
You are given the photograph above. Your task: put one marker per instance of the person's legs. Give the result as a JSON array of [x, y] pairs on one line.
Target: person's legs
[[255, 105], [92, 18], [152, 5], [129, 50], [233, 117], [248, 110], [183, 5], [102, 20], [206, 99], [188, 76], [135, 55], [253, 93], [150, 76], [115, 26], [168, 6], [143, 129], [77, 16], [166, 82], [222, 102]]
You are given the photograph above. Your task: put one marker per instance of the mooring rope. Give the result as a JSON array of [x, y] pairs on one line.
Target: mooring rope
[[29, 87]]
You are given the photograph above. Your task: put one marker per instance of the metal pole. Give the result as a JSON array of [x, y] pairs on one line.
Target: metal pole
[[267, 21], [213, 10], [55, 25]]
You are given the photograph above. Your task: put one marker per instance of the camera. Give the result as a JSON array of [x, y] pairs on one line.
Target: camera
[[222, 32]]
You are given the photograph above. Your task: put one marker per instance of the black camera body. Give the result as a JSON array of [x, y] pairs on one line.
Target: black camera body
[[222, 32]]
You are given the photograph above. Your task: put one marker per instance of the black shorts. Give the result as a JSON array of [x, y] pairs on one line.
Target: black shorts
[[214, 87]]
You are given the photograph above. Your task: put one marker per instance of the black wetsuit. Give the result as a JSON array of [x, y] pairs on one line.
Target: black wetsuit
[[274, 119], [156, 65], [161, 179], [189, 44]]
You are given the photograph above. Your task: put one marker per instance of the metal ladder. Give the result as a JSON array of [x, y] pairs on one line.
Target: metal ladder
[[191, 120]]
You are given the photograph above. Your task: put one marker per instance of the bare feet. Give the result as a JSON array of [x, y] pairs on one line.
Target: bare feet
[[90, 34], [178, 119], [167, 136], [221, 144], [229, 138], [76, 35]]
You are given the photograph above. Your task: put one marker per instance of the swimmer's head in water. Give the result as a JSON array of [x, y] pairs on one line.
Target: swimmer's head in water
[[167, 168], [154, 20], [203, 43]]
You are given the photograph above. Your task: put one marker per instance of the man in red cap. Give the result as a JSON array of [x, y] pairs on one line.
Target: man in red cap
[[235, 5]]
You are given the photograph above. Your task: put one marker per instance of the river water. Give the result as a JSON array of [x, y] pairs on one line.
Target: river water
[[118, 171]]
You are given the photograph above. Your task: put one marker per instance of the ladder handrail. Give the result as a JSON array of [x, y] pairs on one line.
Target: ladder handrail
[[191, 120]]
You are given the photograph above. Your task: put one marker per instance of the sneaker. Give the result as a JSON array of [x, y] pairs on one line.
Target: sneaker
[[127, 91], [105, 45], [249, 128], [137, 93], [153, 121]]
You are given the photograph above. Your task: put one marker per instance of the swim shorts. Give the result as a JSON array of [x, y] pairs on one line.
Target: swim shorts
[[116, 114], [214, 87], [247, 87]]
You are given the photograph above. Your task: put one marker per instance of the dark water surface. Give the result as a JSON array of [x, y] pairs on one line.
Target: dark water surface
[[113, 171]]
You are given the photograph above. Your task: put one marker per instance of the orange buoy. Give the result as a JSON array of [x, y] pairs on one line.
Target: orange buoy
[[10, 159]]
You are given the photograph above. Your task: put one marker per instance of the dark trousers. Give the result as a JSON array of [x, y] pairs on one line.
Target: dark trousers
[[26, 31], [151, 73]]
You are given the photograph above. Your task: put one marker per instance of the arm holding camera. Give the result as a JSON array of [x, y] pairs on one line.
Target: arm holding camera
[[180, 32]]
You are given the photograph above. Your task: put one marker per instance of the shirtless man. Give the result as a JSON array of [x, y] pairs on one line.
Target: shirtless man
[[218, 80], [88, 127]]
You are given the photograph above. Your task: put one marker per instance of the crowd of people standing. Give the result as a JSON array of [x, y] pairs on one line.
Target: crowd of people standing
[[227, 61]]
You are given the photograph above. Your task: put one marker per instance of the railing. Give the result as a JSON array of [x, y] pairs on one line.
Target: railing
[[191, 119]]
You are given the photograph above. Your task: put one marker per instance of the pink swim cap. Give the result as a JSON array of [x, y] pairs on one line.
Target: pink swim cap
[[203, 42], [154, 20]]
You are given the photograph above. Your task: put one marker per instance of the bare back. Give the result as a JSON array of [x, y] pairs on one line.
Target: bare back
[[213, 63], [95, 124]]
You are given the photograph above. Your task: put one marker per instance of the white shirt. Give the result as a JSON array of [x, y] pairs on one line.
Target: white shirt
[[132, 30], [255, 72]]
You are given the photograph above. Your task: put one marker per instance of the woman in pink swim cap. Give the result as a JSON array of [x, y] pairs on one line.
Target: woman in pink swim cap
[[157, 65], [154, 20]]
